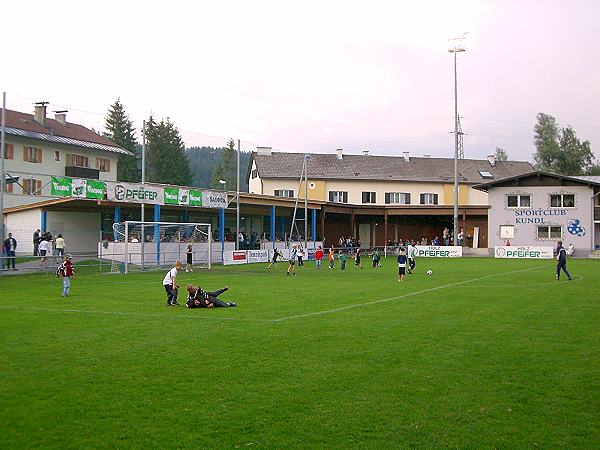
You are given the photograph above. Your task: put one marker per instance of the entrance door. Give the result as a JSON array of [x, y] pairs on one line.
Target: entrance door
[[364, 234]]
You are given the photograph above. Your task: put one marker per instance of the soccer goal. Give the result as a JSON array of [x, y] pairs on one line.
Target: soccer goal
[[150, 245]]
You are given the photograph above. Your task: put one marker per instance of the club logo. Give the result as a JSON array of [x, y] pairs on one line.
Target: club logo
[[575, 228], [120, 192], [500, 252]]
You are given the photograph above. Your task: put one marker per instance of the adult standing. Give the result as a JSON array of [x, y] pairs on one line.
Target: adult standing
[[446, 236], [36, 242], [461, 237], [43, 250], [170, 284], [300, 256], [561, 257], [189, 255], [60, 248], [10, 247]]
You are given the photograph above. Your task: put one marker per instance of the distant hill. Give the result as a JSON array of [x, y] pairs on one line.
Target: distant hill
[[204, 160]]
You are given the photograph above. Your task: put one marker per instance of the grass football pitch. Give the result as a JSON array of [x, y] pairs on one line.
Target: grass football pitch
[[482, 353]]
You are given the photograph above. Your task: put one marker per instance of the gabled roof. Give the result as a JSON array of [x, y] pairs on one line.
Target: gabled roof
[[380, 168], [24, 125], [539, 178]]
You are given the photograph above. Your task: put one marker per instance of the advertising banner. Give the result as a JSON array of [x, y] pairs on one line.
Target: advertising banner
[[432, 251], [135, 193], [214, 199], [524, 252], [94, 189], [235, 257], [171, 196], [184, 197], [258, 256], [195, 198], [78, 188], [60, 187]]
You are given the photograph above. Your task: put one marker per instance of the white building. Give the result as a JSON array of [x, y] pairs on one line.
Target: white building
[[38, 148], [540, 208]]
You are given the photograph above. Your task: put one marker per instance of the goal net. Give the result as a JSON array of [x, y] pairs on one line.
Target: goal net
[[150, 245]]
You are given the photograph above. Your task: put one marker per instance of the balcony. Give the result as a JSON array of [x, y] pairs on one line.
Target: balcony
[[82, 172]]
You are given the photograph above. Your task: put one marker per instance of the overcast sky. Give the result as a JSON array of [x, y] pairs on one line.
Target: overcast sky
[[314, 76]]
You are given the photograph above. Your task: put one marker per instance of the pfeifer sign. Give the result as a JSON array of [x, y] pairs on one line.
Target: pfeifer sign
[[435, 251], [523, 252]]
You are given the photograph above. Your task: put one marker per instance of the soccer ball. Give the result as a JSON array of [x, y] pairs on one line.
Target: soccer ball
[[429, 272]]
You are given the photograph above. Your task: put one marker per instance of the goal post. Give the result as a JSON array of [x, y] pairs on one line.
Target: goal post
[[150, 245]]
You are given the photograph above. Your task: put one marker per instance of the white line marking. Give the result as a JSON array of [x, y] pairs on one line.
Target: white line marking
[[398, 297]]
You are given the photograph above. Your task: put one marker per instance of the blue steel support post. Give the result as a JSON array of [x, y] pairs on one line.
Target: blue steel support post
[[157, 233], [117, 219], [273, 225], [222, 230], [44, 220], [314, 227]]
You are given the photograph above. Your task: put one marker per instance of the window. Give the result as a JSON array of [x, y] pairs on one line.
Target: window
[[103, 164], [562, 200], [31, 186], [338, 196], [519, 201], [9, 151], [398, 198], [549, 232], [283, 193], [254, 174], [369, 197], [77, 161], [56, 155], [485, 174], [507, 231], [32, 154], [429, 199]]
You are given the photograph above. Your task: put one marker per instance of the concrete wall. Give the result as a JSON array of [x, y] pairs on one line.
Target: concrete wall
[[22, 225], [321, 188], [81, 230], [526, 220]]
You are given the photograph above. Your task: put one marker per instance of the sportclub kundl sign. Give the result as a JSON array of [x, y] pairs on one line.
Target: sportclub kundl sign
[[510, 252], [436, 251]]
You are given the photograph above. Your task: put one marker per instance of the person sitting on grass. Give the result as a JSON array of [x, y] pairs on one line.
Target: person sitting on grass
[[198, 298]]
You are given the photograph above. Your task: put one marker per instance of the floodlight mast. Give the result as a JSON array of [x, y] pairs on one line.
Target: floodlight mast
[[457, 47]]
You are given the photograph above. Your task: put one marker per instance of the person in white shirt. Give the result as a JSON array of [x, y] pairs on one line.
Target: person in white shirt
[[170, 284], [410, 254], [43, 250], [60, 248]]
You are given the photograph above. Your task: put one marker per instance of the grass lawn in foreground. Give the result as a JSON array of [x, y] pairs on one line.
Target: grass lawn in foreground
[[483, 353]]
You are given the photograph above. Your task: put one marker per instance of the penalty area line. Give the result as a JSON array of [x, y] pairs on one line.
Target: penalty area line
[[399, 297]]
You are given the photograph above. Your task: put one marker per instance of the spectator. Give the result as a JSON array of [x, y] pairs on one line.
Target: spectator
[[60, 248], [319, 256], [10, 248], [461, 236], [44, 249], [446, 236], [36, 242]]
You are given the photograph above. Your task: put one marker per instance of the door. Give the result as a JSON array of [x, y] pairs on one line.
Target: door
[[364, 234]]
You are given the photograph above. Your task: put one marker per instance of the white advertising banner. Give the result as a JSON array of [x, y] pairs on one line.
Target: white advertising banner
[[524, 252], [258, 256], [235, 257], [214, 199], [135, 193], [433, 251]]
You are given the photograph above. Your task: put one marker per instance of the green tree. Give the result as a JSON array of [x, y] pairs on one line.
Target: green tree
[[227, 168], [218, 175], [559, 149], [501, 154], [119, 129], [165, 154]]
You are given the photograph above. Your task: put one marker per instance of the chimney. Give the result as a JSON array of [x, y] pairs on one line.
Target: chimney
[[339, 153], [264, 150], [406, 156], [426, 156], [39, 113], [366, 152], [61, 116], [492, 160]]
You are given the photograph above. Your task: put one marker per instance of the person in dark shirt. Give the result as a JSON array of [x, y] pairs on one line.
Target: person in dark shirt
[[357, 263], [561, 257], [401, 265], [198, 298]]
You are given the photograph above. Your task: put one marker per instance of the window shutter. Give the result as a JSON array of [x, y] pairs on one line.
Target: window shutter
[[276, 192], [387, 198], [26, 186], [25, 151], [291, 193], [9, 188], [330, 196], [38, 186], [422, 199], [407, 198], [435, 199], [107, 166], [345, 196], [8, 151], [38, 155], [98, 163]]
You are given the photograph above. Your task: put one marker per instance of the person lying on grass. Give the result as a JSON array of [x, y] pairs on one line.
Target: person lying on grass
[[197, 298]]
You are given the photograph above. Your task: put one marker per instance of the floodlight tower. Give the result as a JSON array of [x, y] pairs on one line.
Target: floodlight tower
[[456, 46]]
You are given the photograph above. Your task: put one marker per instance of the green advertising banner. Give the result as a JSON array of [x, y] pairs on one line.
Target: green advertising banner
[[171, 196], [60, 187], [95, 189], [195, 198]]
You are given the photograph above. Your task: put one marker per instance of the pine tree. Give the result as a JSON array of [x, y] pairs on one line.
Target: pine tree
[[501, 154], [226, 170], [165, 152], [119, 129]]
